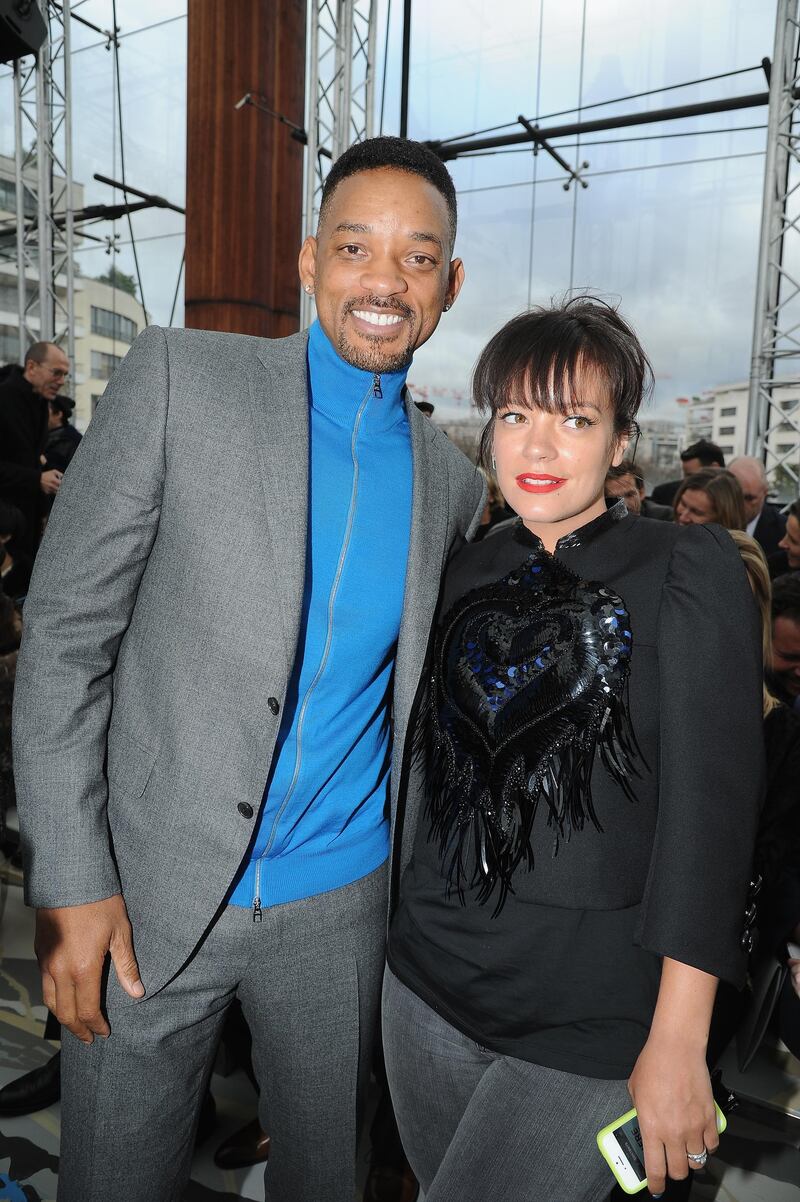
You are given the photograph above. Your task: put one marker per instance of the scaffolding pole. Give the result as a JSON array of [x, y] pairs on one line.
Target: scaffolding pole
[[773, 416], [340, 97], [43, 177]]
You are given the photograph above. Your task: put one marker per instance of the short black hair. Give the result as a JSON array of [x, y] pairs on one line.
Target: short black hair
[[626, 467], [794, 511], [538, 355], [63, 405], [709, 454], [399, 154], [786, 597]]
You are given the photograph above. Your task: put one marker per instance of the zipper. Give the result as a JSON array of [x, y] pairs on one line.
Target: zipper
[[374, 390]]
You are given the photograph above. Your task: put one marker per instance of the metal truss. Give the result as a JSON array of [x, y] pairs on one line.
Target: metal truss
[[773, 419], [340, 97], [43, 171]]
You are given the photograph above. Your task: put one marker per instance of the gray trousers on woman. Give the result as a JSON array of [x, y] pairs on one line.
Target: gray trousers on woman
[[478, 1125], [308, 977]]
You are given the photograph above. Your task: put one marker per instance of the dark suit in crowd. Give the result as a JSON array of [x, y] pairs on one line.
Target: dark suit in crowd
[[770, 529], [664, 494], [662, 513], [23, 436]]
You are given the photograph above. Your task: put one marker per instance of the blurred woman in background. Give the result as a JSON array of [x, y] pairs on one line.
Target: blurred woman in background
[[710, 495]]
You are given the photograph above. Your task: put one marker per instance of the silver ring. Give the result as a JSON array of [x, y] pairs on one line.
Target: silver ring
[[698, 1158]]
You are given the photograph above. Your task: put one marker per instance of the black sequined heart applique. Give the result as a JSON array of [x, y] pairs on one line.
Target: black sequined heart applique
[[528, 685]]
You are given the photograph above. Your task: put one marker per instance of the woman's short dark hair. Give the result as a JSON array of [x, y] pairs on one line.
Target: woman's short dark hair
[[723, 490], [536, 358]]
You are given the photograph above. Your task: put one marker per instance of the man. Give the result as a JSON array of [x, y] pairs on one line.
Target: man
[[783, 677], [787, 557], [24, 396], [203, 769], [63, 439], [627, 482], [700, 454], [764, 523]]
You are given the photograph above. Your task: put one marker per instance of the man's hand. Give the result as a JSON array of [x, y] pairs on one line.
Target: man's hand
[[50, 482], [72, 943]]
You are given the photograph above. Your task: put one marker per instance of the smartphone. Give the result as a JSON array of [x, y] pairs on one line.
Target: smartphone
[[621, 1145], [794, 951]]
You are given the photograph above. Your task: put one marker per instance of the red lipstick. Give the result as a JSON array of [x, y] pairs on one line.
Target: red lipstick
[[536, 483]]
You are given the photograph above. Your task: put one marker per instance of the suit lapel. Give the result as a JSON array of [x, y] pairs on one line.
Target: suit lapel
[[426, 554], [278, 388]]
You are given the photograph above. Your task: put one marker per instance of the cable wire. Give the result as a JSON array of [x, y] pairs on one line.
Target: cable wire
[[556, 179], [122, 157], [559, 145], [532, 234], [577, 186], [689, 83], [177, 288], [385, 60]]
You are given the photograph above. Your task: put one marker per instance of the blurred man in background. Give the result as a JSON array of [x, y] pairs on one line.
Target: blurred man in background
[[764, 522], [25, 482]]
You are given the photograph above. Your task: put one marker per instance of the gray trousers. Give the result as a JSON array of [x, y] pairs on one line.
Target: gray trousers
[[308, 978], [478, 1125]]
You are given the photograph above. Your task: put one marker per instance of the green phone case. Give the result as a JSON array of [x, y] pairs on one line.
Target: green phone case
[[722, 1123]]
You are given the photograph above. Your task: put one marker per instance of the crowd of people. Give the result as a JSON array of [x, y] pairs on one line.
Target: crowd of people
[[403, 696]]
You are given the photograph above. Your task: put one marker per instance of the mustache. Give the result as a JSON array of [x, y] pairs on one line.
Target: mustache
[[375, 302]]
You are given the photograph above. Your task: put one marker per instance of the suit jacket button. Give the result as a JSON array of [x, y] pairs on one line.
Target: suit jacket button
[[245, 809], [272, 702]]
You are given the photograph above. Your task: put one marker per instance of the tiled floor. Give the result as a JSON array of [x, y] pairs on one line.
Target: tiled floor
[[756, 1163]]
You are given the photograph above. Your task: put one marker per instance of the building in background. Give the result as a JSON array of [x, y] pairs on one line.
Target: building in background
[[660, 442], [107, 316], [107, 319], [720, 415]]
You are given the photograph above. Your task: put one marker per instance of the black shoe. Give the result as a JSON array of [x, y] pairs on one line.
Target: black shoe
[[246, 1147], [37, 1090]]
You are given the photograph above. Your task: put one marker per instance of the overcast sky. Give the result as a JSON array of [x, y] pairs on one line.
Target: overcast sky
[[668, 225]]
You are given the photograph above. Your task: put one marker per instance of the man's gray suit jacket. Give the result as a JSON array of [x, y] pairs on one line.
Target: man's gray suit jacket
[[163, 618]]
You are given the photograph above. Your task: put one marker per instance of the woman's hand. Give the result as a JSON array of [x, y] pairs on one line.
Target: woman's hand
[[670, 1085], [671, 1091]]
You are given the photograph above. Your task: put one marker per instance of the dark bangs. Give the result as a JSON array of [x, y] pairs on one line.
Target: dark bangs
[[538, 359]]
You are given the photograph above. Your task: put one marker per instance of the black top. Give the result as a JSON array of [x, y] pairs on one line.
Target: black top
[[647, 854], [62, 443], [770, 529], [23, 434]]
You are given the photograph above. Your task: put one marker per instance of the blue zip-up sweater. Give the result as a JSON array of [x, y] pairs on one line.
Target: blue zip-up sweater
[[323, 821]]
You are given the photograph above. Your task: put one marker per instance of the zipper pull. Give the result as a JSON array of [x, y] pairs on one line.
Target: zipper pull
[[377, 392], [257, 916]]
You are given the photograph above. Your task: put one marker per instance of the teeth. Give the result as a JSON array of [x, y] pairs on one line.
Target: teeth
[[540, 479], [378, 319]]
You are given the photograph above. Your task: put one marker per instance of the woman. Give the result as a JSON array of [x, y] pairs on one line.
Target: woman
[[576, 883], [62, 437], [787, 558], [710, 495]]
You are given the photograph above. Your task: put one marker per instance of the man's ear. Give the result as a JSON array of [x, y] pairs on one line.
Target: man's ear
[[307, 264], [454, 282]]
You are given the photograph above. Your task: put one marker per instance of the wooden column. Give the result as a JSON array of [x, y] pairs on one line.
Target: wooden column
[[244, 171]]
